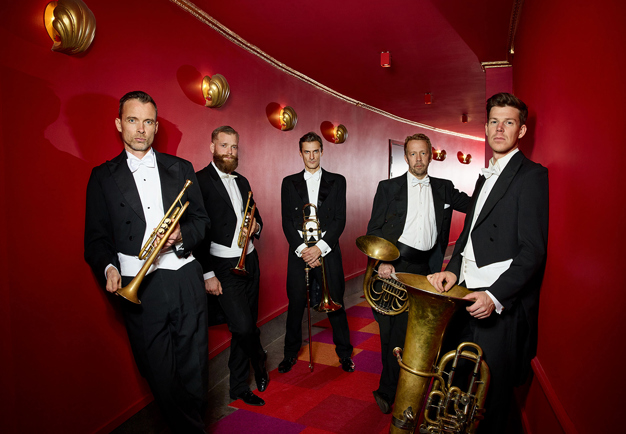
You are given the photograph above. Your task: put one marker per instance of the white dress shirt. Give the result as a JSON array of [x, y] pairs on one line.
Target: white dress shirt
[[232, 251], [420, 227], [473, 275], [146, 175], [313, 181]]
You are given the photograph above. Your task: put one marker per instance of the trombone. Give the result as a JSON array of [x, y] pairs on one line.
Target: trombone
[[242, 241], [149, 250]]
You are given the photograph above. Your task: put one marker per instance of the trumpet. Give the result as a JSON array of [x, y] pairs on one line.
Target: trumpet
[[165, 227], [242, 241]]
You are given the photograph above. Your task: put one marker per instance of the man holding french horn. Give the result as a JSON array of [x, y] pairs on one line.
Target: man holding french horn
[[413, 211], [230, 262], [126, 199], [318, 197]]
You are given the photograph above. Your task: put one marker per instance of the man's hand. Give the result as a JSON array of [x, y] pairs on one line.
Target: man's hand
[[483, 304], [386, 270], [174, 238], [114, 280], [311, 256], [255, 228], [213, 286], [442, 281]]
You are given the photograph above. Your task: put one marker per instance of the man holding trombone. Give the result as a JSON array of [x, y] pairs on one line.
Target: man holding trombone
[[126, 199], [326, 191], [230, 262]]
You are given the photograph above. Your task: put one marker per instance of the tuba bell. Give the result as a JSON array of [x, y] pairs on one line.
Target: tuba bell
[[386, 296], [448, 410]]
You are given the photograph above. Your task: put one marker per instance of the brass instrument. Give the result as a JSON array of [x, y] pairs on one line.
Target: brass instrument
[[165, 227], [242, 241], [429, 314], [310, 227], [386, 296]]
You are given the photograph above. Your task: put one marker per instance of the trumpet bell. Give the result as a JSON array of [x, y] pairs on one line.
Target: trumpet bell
[[129, 292]]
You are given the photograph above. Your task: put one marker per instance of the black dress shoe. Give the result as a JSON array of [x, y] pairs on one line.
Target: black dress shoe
[[382, 401], [286, 364], [250, 398], [347, 364], [262, 381]]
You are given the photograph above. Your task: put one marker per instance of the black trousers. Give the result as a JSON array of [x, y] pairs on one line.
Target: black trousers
[[240, 303], [296, 292], [168, 333], [392, 334], [500, 337]]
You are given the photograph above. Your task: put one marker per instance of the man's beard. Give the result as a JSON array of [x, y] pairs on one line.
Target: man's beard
[[226, 166]]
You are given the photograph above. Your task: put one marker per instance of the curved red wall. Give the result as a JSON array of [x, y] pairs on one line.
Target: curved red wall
[[568, 68], [66, 362]]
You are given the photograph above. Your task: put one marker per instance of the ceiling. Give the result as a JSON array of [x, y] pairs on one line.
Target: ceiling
[[436, 46]]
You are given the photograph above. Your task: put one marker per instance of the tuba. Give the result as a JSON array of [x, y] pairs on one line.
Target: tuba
[[310, 227], [150, 251], [242, 241], [448, 409], [386, 296]]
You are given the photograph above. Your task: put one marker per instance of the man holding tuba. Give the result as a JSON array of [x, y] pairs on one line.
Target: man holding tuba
[[126, 199], [230, 262], [501, 254], [413, 211], [327, 191]]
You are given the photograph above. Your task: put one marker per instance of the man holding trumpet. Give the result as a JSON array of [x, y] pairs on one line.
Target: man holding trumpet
[[126, 199], [231, 264]]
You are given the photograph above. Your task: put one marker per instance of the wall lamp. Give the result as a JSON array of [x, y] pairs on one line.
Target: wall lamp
[[464, 159], [385, 59], [439, 154], [282, 118], [464, 118], [70, 24], [334, 134], [215, 90], [428, 98]]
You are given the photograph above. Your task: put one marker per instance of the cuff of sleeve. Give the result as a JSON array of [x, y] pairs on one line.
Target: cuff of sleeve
[[324, 247], [208, 275], [499, 307], [107, 269], [299, 250]]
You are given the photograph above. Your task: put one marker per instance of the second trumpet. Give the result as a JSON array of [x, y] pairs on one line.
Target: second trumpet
[[242, 241]]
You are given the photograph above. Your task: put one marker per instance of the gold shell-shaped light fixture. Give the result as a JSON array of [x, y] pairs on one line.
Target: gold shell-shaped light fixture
[[340, 134], [71, 26], [215, 90], [288, 118]]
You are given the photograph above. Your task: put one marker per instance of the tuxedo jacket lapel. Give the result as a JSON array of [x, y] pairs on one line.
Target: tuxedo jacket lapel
[[325, 187], [169, 176], [300, 185], [439, 197], [126, 183], [219, 185], [501, 186]]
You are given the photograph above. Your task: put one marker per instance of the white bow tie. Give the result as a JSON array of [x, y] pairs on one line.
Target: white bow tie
[[228, 176], [147, 160], [421, 182], [491, 170], [314, 176]]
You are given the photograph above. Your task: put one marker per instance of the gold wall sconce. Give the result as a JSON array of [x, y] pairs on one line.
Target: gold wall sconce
[[439, 154], [464, 159], [70, 24], [282, 118], [215, 90], [334, 134]]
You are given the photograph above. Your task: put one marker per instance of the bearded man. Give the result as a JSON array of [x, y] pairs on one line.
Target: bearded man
[[225, 195]]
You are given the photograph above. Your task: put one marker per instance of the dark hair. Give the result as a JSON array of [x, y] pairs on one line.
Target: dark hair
[[506, 99], [224, 129], [419, 136], [311, 137], [140, 96]]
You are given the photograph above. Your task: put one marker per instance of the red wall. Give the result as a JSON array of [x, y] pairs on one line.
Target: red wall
[[568, 68], [66, 363]]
